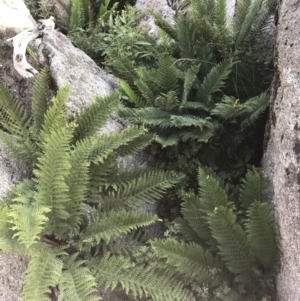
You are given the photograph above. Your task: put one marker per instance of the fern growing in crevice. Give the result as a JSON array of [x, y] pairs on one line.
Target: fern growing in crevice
[[74, 205], [231, 250]]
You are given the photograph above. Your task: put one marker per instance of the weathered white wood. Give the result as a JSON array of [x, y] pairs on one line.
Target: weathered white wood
[[20, 42]]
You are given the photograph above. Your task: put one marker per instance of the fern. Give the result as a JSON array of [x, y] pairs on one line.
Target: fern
[[77, 283], [27, 222], [76, 16], [261, 234], [215, 79], [140, 280], [40, 99], [189, 259], [44, 270]]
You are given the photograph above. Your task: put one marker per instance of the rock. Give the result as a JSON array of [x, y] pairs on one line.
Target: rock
[[14, 15], [282, 154], [70, 65]]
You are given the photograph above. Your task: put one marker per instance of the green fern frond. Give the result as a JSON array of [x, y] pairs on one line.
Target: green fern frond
[[232, 241], [253, 108], [145, 91], [193, 212], [200, 135], [77, 283], [13, 116], [114, 223], [76, 19], [189, 259], [90, 119], [189, 79], [167, 140], [133, 97], [186, 37], [261, 234], [149, 186], [190, 121], [166, 74], [252, 14], [27, 222], [40, 99], [147, 116], [241, 10], [220, 14], [215, 79], [109, 144], [56, 116], [53, 168], [44, 271], [229, 107], [167, 102], [253, 188], [165, 26], [211, 192], [139, 280]]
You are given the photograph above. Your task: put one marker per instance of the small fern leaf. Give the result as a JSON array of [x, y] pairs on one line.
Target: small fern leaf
[[253, 188], [77, 15], [261, 234], [167, 74], [77, 283], [189, 79], [165, 26], [215, 79], [232, 241], [90, 119], [140, 280], [13, 116], [40, 99], [44, 271], [27, 222], [133, 97], [115, 223]]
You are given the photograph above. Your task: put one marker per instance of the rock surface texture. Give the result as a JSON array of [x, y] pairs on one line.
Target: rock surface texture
[[282, 154]]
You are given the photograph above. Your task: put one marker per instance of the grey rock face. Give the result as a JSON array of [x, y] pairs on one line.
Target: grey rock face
[[282, 155], [70, 65]]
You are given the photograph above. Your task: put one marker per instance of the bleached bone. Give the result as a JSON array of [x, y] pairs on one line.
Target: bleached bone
[[20, 42]]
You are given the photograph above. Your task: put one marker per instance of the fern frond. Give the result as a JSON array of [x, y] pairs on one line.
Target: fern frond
[[44, 271], [232, 241], [166, 74], [189, 79], [228, 107], [77, 283], [109, 144], [90, 119], [261, 234], [253, 188], [114, 223], [53, 168], [189, 259], [211, 192], [133, 97], [253, 108], [165, 26], [252, 14], [167, 102], [139, 280], [149, 186], [215, 79], [186, 32], [56, 115], [148, 116], [40, 99], [13, 116], [195, 216], [220, 15], [76, 19], [27, 222], [241, 10]]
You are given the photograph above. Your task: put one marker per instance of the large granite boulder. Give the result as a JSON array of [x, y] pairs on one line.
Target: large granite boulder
[[282, 153]]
